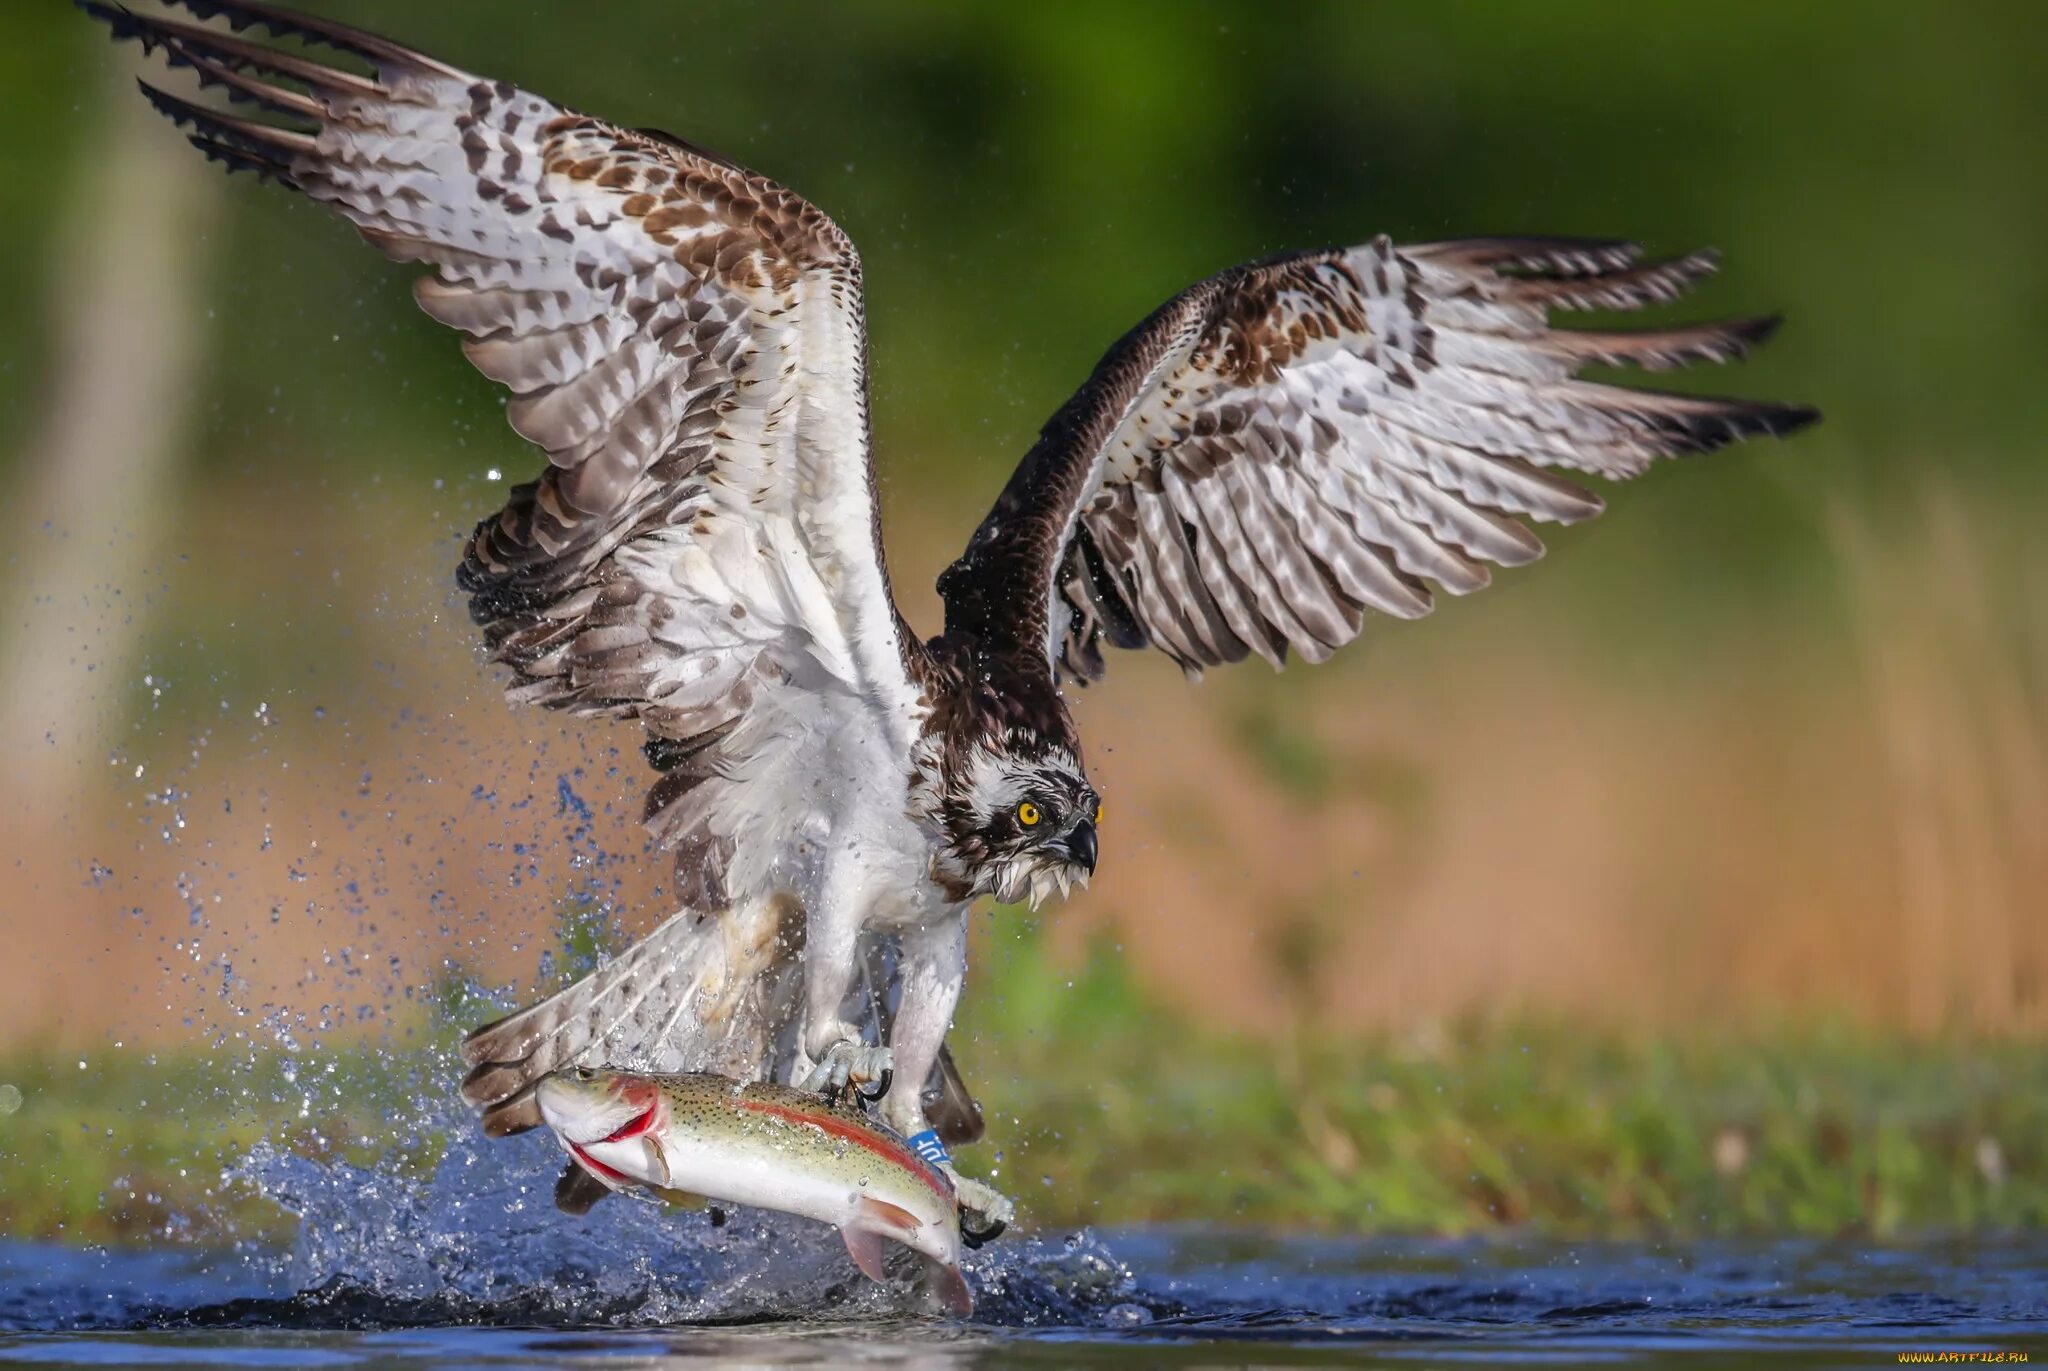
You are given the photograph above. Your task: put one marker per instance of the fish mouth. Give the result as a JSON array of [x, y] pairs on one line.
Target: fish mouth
[[635, 1127]]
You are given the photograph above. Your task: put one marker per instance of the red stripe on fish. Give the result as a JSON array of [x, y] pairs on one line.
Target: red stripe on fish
[[886, 1148]]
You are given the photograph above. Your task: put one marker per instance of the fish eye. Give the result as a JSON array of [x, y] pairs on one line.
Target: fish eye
[[1028, 814], [584, 1073]]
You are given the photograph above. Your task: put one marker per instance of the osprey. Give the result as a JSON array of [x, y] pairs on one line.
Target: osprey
[[1270, 456]]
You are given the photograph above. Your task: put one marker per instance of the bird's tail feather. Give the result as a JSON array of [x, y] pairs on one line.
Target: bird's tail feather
[[949, 1106], [702, 992]]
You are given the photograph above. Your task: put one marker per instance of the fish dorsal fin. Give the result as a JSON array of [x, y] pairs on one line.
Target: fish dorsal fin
[[865, 1247], [893, 1220]]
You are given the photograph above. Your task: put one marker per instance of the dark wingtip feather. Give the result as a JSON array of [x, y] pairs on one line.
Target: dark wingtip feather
[[239, 159], [1740, 337], [288, 23], [123, 24], [1757, 331], [246, 90], [1758, 419], [226, 128], [1631, 287], [1674, 422], [1787, 420], [1535, 253], [1660, 349], [1698, 423]]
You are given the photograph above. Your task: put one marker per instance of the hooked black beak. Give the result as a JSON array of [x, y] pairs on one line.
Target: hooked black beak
[[1079, 845]]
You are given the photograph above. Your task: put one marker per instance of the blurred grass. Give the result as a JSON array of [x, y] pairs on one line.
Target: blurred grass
[[1104, 1109], [1565, 1130]]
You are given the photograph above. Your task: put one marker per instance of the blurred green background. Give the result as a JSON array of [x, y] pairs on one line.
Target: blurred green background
[[1737, 808]]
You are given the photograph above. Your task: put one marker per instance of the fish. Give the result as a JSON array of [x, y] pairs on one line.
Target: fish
[[709, 1137]]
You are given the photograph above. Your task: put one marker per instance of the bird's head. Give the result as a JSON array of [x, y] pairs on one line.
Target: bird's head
[[1018, 818]]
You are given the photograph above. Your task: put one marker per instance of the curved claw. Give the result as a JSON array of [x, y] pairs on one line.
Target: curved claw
[[975, 1237], [845, 1067], [983, 1202]]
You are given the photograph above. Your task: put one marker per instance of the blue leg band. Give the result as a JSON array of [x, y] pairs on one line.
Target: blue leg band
[[928, 1146]]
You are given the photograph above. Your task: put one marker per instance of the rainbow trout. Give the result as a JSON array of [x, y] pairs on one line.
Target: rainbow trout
[[763, 1145]]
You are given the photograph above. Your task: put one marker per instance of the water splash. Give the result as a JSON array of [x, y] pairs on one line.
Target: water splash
[[400, 1213], [474, 1237]]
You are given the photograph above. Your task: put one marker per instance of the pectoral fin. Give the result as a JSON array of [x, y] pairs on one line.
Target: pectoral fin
[[865, 1247], [892, 1220]]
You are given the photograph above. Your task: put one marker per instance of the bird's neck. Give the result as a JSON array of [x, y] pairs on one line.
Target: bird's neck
[[975, 695]]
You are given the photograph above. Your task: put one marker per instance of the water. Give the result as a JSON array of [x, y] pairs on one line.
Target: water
[[1169, 1298], [448, 1250]]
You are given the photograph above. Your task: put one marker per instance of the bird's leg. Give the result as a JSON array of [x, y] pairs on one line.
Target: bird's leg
[[834, 1055], [930, 970], [933, 965]]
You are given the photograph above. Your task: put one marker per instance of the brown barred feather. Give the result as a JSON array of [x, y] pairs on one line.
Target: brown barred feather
[[1330, 431], [685, 339]]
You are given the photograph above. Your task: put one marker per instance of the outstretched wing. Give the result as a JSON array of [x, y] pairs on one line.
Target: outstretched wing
[[1296, 441], [683, 337]]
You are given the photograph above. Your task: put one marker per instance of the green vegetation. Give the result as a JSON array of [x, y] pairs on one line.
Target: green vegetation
[[121, 1145], [1125, 1115], [1104, 1109]]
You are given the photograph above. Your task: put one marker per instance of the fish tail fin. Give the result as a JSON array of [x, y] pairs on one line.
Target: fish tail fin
[[952, 1288], [698, 993], [874, 1220]]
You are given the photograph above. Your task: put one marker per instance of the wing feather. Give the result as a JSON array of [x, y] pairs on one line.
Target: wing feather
[[682, 336], [1205, 509], [1167, 583], [1291, 592], [1333, 431]]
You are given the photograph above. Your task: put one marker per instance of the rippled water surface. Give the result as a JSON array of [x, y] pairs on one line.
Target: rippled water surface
[[467, 1262], [1168, 1297]]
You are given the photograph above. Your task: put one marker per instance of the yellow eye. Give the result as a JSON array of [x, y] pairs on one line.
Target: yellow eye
[[1098, 813], [1028, 814]]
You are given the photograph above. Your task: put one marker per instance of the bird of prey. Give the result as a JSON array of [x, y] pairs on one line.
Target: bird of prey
[[1270, 457]]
